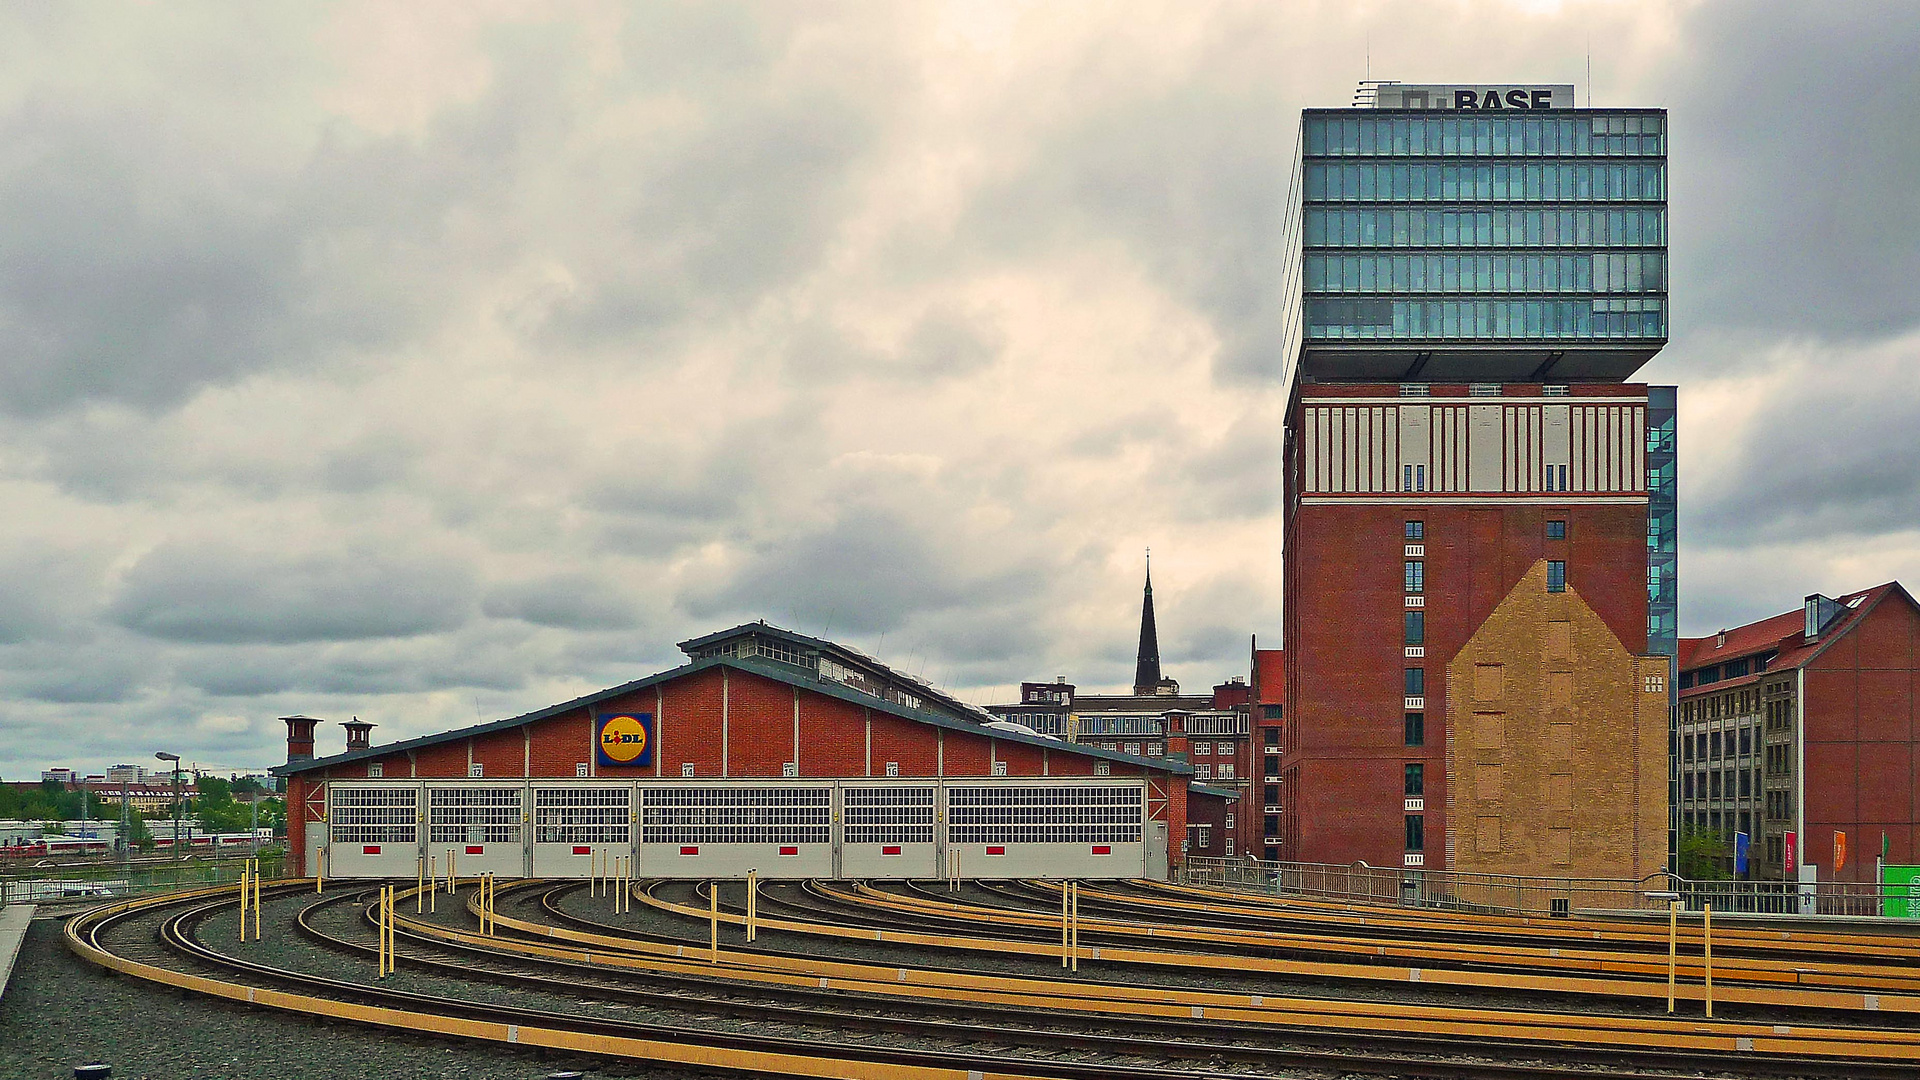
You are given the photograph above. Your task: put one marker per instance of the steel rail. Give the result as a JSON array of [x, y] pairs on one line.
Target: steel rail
[[1517, 958], [1517, 1026], [986, 1023], [1476, 979], [755, 1054]]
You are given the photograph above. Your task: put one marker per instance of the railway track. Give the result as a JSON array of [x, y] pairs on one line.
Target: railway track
[[1591, 974], [552, 974]]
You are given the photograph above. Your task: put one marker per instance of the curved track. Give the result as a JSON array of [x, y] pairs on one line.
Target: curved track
[[899, 980]]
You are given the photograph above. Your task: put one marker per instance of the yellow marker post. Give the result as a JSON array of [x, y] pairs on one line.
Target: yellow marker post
[[713, 918], [753, 890], [419, 884], [1075, 886], [1706, 941], [243, 901], [256, 899], [380, 931], [1673, 948], [1065, 930], [319, 871], [433, 873]]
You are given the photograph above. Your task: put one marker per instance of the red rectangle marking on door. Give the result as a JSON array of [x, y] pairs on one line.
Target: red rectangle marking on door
[[689, 851], [370, 849], [582, 849], [890, 849], [996, 850], [1103, 849], [476, 849], [790, 849]]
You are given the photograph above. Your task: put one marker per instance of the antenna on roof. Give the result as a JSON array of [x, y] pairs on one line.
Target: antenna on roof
[[1589, 70]]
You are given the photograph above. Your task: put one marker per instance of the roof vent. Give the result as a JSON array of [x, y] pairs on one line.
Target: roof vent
[[357, 734], [299, 737]]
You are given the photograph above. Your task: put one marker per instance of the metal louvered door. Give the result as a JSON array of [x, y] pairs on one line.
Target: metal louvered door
[[373, 830], [1048, 829], [480, 827], [576, 826], [887, 831], [691, 830]]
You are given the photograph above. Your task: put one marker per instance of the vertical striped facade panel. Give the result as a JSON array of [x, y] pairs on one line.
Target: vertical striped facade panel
[[1353, 449], [1492, 447]]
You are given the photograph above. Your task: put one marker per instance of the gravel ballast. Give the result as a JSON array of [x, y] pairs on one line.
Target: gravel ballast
[[60, 1011]]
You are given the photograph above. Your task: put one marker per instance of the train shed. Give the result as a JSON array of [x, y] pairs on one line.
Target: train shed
[[768, 750]]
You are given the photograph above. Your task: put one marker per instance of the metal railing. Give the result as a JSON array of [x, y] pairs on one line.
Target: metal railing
[[1514, 895], [105, 880]]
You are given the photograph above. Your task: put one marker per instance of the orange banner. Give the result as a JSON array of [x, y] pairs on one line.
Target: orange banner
[[1839, 851]]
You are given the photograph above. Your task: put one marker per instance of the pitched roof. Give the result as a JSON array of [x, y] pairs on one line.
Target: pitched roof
[[1197, 788], [1783, 634], [753, 665], [694, 646]]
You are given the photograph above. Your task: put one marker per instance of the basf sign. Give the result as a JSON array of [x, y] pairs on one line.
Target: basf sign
[[1505, 97]]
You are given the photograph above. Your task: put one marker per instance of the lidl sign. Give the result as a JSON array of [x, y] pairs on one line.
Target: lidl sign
[[623, 738]]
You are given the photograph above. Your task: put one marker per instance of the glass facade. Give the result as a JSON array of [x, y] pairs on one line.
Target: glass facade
[[1549, 227], [1663, 579], [1663, 515]]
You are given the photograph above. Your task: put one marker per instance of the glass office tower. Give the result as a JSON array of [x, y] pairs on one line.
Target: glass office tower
[[1540, 234]]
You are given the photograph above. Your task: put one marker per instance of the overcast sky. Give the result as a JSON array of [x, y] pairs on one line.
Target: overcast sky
[[433, 362]]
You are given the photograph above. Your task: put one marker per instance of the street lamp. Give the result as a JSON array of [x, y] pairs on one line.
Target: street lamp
[[175, 759]]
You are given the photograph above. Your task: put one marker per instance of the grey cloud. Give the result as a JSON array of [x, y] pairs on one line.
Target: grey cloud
[[1192, 181], [218, 592], [865, 573], [1794, 157], [1821, 459], [565, 601], [132, 271]]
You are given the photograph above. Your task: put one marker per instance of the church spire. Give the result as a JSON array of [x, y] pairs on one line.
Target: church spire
[[1146, 668]]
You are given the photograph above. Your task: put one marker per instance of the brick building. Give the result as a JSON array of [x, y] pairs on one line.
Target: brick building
[[1209, 731], [768, 750], [1802, 728], [1269, 709], [1478, 555]]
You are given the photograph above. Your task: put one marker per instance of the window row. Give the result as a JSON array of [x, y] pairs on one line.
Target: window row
[[1548, 182], [1713, 822], [1740, 784], [1612, 226], [1709, 745], [1600, 272], [1348, 320], [1551, 135]]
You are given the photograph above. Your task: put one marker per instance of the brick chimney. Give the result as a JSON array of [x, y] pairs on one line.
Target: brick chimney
[[299, 737], [357, 737]]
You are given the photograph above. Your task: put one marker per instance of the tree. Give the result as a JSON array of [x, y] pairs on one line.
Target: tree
[[1704, 855], [214, 805], [137, 834]]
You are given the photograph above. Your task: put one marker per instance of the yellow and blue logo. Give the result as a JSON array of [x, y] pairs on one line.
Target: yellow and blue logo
[[624, 739]]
